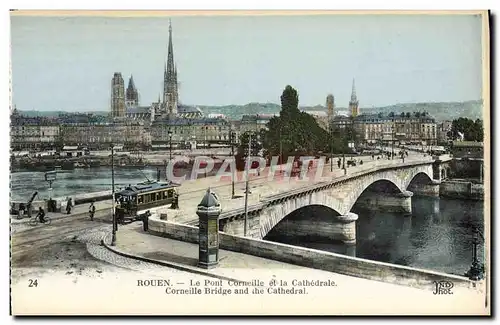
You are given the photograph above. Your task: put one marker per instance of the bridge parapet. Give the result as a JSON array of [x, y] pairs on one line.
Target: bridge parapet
[[308, 189]]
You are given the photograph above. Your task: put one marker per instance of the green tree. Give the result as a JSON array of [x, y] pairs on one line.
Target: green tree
[[472, 130], [297, 133]]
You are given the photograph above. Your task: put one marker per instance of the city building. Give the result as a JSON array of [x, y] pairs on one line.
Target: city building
[[189, 132], [443, 129], [100, 135], [118, 107], [254, 123], [33, 133], [404, 127]]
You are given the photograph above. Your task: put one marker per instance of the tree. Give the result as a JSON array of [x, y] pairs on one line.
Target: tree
[[472, 130], [293, 132], [242, 150]]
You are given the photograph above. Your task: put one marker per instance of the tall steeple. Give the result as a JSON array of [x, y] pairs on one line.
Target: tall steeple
[[170, 57], [170, 95], [131, 94], [354, 103]]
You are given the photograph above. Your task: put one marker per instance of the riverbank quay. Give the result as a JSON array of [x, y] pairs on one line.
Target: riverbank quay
[[40, 162], [462, 189], [133, 242], [78, 199]]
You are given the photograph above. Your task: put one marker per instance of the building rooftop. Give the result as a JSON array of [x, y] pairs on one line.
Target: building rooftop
[[183, 109], [191, 121], [139, 110]]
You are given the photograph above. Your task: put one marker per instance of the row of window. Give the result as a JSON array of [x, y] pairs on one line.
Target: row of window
[[153, 197]]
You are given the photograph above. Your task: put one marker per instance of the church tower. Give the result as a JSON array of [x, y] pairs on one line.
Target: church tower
[[131, 94], [170, 94], [330, 105], [353, 103], [117, 95]]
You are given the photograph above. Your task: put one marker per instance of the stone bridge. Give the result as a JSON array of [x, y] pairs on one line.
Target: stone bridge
[[388, 188]]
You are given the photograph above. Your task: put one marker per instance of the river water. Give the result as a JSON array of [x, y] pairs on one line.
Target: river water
[[436, 236]]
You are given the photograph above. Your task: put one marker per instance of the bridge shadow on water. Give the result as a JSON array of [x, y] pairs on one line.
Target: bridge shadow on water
[[436, 235]]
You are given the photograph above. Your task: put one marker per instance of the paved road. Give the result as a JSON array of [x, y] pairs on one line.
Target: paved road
[[44, 249]]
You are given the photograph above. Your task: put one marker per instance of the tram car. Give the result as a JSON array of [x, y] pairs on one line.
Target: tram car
[[134, 202]]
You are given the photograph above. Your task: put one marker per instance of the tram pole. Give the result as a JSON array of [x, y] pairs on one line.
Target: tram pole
[[113, 237], [232, 138]]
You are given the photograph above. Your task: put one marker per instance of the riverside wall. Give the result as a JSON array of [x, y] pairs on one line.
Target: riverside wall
[[312, 258], [458, 189]]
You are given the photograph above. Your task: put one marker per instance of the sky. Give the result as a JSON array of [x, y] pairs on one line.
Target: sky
[[66, 63]]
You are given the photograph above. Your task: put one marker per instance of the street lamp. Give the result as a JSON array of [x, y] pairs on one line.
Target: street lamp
[[343, 158], [115, 225], [232, 137], [392, 138], [476, 271], [281, 149], [170, 140], [331, 149]]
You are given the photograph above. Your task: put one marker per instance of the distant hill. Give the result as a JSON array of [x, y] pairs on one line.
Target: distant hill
[[440, 111]]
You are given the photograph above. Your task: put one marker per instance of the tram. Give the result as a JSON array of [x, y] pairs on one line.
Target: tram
[[134, 202]]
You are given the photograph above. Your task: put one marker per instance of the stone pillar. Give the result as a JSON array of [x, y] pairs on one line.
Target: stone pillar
[[208, 212], [344, 228], [431, 189], [390, 202], [329, 229]]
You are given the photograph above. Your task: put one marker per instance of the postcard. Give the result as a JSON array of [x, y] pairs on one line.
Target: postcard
[[250, 163]]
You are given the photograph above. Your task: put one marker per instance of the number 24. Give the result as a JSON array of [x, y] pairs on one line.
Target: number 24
[[33, 283]]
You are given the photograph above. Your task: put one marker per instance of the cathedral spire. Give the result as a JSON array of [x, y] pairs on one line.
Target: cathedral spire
[[170, 57], [353, 103], [170, 94], [131, 84], [353, 92]]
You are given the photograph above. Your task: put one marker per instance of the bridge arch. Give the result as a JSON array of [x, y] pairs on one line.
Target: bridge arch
[[276, 213], [305, 222], [420, 178], [381, 185]]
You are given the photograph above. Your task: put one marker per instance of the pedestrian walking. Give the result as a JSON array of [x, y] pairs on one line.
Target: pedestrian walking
[[69, 205], [92, 211]]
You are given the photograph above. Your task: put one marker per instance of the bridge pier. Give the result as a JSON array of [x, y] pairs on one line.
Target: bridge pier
[[334, 229], [391, 202], [431, 189]]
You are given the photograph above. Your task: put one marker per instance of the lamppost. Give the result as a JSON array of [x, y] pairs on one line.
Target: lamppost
[[343, 157], [476, 271], [170, 142], [281, 149], [331, 149], [392, 139], [115, 225], [232, 137]]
